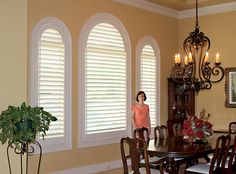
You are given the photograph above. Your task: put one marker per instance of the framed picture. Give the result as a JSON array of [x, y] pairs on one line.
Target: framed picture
[[230, 87]]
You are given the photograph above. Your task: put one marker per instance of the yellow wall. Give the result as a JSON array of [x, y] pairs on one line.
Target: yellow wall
[[139, 23], [168, 32], [13, 63], [220, 28]]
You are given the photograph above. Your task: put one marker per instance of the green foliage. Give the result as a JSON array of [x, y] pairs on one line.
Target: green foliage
[[23, 124]]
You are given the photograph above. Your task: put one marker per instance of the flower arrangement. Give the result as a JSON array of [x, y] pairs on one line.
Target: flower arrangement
[[195, 128]]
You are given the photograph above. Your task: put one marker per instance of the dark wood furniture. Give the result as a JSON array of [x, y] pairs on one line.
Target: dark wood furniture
[[232, 128], [180, 103], [142, 133], [173, 147], [134, 153], [221, 131], [160, 132], [218, 161], [232, 158]]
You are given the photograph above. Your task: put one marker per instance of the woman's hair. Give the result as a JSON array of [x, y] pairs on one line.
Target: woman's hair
[[139, 93]]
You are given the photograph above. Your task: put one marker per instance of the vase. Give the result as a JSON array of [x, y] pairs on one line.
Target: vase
[[200, 141]]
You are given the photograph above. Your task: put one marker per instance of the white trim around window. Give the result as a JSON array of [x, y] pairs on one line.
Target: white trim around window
[[149, 41], [107, 137], [62, 140]]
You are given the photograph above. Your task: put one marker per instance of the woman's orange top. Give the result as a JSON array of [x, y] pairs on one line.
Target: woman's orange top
[[141, 115]]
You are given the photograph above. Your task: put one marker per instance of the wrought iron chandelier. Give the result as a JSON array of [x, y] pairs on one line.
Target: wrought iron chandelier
[[196, 73]]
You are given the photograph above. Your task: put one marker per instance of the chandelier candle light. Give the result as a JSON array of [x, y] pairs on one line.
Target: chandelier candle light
[[196, 73]]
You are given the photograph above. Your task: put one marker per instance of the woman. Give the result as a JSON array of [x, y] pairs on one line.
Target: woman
[[140, 112]]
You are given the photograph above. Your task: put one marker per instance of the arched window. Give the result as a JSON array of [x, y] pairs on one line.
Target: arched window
[[50, 79], [148, 80], [104, 83]]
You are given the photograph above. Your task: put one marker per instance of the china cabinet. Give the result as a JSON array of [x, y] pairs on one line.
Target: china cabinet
[[180, 103]]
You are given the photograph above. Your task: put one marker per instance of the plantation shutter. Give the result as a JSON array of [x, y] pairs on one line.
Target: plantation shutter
[[105, 81], [148, 79], [51, 79]]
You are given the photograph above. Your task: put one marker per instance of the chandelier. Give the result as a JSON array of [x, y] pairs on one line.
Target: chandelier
[[196, 73]]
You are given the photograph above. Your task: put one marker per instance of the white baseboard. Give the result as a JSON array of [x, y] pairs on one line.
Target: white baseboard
[[90, 169]]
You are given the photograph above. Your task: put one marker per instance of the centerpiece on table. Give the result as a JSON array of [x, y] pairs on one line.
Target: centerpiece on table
[[197, 129]]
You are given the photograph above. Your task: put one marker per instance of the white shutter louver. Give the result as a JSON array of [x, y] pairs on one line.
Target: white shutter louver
[[51, 79], [105, 81], [148, 79]]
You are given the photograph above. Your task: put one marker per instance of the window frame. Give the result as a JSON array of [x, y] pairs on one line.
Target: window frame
[[60, 143], [110, 137], [148, 40]]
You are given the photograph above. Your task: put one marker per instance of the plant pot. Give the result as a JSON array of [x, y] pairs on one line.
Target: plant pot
[[26, 127]]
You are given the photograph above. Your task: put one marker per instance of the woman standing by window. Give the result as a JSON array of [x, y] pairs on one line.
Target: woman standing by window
[[140, 112]]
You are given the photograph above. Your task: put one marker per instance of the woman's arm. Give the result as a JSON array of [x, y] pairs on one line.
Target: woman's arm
[[149, 121]]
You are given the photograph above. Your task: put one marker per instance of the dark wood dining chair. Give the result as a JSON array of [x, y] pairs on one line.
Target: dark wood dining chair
[[177, 129], [160, 132], [217, 165], [133, 149], [232, 131], [230, 165], [142, 133], [232, 128]]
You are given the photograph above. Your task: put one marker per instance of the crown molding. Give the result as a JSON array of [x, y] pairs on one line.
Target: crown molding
[[214, 9], [145, 5]]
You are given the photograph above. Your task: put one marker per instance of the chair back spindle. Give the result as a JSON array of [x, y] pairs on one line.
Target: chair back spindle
[[232, 158], [160, 132], [177, 129], [232, 128], [142, 133], [220, 154]]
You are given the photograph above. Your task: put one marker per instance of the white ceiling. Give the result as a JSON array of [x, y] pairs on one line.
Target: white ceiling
[[188, 4]]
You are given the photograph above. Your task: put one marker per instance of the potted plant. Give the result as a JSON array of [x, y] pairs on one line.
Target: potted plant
[[23, 124], [20, 126]]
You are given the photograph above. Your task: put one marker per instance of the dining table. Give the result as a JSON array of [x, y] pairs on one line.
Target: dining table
[[175, 147]]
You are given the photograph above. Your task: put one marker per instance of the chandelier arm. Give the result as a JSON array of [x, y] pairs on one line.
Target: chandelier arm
[[217, 70], [194, 62], [206, 85], [191, 68], [203, 67], [200, 64], [206, 72], [207, 40]]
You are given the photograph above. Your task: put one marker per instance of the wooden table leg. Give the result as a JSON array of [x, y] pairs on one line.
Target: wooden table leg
[[171, 166]]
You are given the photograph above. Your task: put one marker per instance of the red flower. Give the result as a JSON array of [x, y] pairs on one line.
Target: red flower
[[189, 132], [200, 134], [199, 123], [187, 124]]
